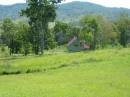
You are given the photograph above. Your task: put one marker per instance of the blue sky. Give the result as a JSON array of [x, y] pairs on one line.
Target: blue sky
[[108, 3]]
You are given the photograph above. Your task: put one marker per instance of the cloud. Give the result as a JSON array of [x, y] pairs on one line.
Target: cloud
[[107, 3], [9, 2]]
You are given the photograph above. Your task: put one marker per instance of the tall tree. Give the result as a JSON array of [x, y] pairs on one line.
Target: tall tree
[[9, 34], [108, 33], [40, 13], [90, 23], [23, 36], [123, 24]]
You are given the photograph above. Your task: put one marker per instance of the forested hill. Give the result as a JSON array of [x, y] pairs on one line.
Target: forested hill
[[69, 11], [11, 11], [75, 10]]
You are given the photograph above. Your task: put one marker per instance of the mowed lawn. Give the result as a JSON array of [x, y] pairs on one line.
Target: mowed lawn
[[101, 73]]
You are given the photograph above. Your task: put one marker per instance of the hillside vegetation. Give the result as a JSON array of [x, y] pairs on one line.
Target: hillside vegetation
[[68, 12], [101, 73]]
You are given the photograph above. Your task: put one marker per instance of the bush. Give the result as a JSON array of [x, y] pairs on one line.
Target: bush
[[3, 49], [128, 45], [119, 46]]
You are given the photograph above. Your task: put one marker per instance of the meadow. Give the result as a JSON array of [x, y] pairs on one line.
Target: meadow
[[100, 73]]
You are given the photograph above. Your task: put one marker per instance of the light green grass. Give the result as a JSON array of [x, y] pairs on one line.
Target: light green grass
[[102, 73]]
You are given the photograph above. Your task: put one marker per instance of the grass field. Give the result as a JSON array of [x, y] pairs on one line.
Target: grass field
[[101, 73]]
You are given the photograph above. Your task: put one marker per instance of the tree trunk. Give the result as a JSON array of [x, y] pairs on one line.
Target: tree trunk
[[94, 40], [43, 29]]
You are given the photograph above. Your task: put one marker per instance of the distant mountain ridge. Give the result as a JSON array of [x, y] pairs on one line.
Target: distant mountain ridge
[[11, 11], [68, 12]]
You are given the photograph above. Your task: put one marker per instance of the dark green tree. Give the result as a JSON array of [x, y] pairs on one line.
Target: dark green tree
[[24, 36], [40, 13], [62, 32], [123, 25], [9, 34]]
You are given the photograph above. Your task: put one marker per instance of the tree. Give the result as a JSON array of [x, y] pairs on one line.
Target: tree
[[40, 13], [89, 23], [9, 34], [50, 42], [62, 32], [123, 25], [24, 36], [16, 36], [98, 31], [0, 33], [108, 33]]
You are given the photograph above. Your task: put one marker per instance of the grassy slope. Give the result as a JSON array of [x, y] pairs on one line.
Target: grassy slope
[[103, 73]]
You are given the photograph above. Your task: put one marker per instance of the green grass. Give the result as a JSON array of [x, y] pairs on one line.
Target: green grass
[[102, 73]]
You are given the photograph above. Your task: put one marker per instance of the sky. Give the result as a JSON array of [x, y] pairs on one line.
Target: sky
[[107, 3]]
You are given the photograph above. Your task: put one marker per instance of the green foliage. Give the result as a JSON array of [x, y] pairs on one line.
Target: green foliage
[[16, 36], [90, 25], [108, 33], [66, 12], [50, 42], [34, 37], [24, 36], [62, 32], [2, 48], [98, 31], [123, 23], [9, 34], [40, 13], [128, 45], [4, 51]]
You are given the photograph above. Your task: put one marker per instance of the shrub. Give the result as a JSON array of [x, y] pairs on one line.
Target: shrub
[[128, 45]]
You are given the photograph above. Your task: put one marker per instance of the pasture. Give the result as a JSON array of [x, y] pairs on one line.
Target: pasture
[[100, 73]]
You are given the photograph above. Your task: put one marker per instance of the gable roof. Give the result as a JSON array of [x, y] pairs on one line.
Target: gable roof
[[72, 41], [84, 45]]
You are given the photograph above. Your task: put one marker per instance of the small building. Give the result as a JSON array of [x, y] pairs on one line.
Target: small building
[[76, 44]]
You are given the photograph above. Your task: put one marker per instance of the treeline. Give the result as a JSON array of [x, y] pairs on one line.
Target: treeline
[[35, 34], [96, 30], [18, 37]]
